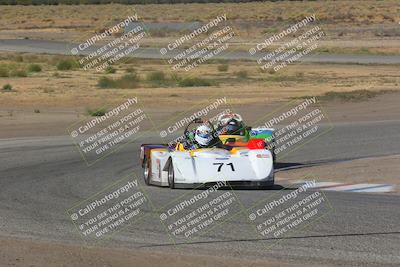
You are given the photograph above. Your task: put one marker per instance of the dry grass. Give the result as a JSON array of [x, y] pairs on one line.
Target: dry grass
[[78, 88]]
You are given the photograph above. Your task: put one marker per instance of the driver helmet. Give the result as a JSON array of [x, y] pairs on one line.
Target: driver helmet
[[230, 124], [203, 135], [233, 127], [224, 118]]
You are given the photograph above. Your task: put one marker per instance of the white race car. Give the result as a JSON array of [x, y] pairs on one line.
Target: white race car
[[181, 168]]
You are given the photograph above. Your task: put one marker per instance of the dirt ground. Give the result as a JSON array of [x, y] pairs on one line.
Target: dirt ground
[[22, 121]]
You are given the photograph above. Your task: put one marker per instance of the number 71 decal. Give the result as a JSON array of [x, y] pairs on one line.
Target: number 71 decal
[[220, 164]]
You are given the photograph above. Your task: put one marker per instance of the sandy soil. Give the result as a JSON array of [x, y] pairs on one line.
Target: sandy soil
[[32, 253]]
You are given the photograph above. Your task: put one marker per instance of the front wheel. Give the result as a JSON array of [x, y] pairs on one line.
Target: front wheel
[[171, 176]]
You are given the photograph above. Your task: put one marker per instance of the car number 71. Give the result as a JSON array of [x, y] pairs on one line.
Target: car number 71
[[220, 164]]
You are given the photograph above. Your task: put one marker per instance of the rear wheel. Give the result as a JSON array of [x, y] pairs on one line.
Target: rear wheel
[[171, 176], [273, 155], [146, 171]]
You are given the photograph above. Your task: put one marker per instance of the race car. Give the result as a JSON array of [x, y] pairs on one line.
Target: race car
[[180, 167]]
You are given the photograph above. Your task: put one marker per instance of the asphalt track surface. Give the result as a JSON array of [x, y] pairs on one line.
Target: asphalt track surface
[[64, 48], [41, 178]]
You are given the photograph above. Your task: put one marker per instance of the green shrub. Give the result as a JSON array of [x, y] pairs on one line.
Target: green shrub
[[156, 78], [48, 90], [37, 111], [96, 112], [19, 59], [110, 69], [349, 96], [7, 87], [12, 70], [126, 81], [130, 70], [67, 64], [105, 82], [356, 95], [223, 67], [175, 77], [34, 68], [18, 73], [190, 82], [4, 71], [242, 74]]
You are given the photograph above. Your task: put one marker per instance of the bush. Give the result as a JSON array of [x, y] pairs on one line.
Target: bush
[[48, 90], [110, 69], [67, 64], [156, 78], [223, 67], [105, 82], [96, 112], [19, 59], [175, 77], [126, 81], [190, 82], [37, 111], [130, 70], [18, 73], [242, 74], [350, 96], [7, 87], [12, 70], [356, 95], [34, 68], [3, 71]]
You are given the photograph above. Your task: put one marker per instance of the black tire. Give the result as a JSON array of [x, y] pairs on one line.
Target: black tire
[[273, 156], [146, 171], [171, 176]]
